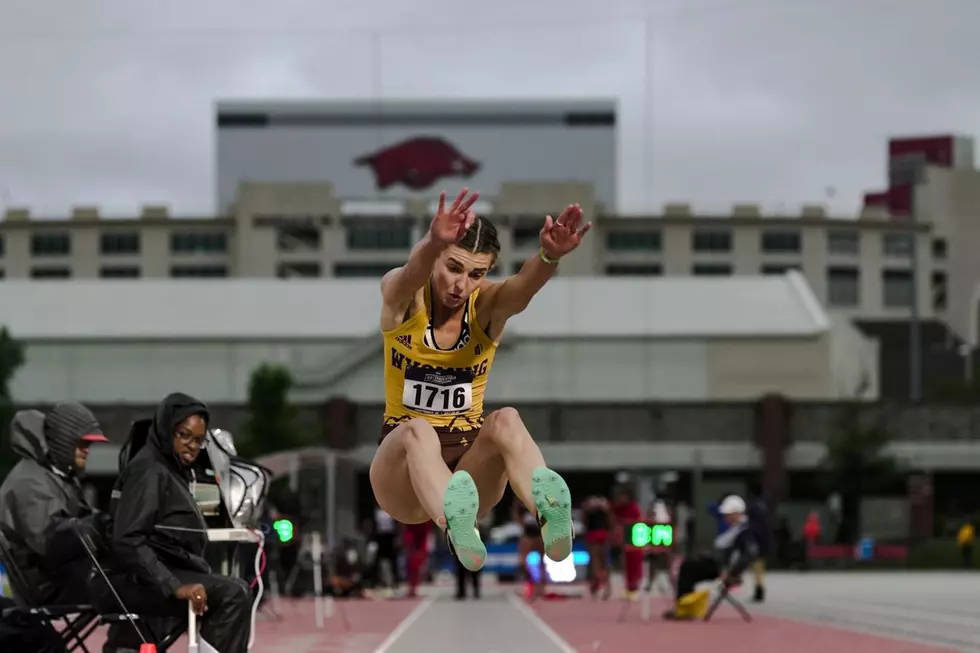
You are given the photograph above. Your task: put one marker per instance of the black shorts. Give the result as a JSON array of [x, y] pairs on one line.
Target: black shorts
[[455, 442]]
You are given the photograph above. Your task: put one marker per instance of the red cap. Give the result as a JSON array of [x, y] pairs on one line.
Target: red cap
[[94, 437]]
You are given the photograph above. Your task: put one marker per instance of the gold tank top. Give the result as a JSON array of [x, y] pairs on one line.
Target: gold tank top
[[445, 387]]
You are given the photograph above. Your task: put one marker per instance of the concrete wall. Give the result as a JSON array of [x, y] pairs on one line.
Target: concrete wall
[[717, 436], [526, 370]]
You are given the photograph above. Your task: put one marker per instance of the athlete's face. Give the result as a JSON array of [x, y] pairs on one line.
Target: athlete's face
[[457, 274]]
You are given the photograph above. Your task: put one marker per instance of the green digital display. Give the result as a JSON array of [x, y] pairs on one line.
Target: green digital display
[[656, 535], [283, 528]]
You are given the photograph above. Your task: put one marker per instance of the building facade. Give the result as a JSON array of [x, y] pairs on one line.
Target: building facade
[[860, 268], [584, 339]]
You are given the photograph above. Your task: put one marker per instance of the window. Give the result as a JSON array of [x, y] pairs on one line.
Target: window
[[198, 242], [712, 240], [198, 271], [711, 270], [395, 236], [50, 273], [119, 272], [304, 269], [938, 249], [298, 238], [119, 243], [526, 235], [649, 241], [782, 241], [939, 291], [634, 270], [896, 288], [843, 286], [51, 244], [377, 270], [779, 268], [896, 245], [843, 242]]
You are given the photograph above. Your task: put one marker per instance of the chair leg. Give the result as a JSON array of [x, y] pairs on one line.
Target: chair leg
[[739, 608]]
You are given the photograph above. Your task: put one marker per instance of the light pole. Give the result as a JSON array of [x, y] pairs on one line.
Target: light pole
[[915, 327]]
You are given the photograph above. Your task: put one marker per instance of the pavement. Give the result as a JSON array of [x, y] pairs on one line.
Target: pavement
[[885, 612]]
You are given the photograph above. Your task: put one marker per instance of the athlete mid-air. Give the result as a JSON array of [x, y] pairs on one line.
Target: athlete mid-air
[[442, 319]]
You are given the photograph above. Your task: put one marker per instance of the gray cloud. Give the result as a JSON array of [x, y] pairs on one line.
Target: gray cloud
[[757, 100]]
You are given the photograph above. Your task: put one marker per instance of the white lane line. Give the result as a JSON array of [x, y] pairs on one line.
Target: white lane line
[[406, 623], [524, 609]]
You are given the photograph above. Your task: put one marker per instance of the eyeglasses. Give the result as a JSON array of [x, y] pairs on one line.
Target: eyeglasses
[[189, 439]]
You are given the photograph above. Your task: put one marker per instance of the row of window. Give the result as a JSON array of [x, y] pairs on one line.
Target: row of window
[[58, 243], [308, 238], [131, 272], [705, 239], [786, 241]]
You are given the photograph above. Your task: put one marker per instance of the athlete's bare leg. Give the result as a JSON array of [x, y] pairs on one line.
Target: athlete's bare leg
[[412, 483], [505, 451], [504, 447], [409, 476]]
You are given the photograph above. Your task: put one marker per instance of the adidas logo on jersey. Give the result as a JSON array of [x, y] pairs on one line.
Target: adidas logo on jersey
[[477, 350], [406, 340]]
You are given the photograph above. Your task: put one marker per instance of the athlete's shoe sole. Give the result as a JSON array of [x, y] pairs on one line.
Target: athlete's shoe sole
[[554, 504], [461, 505]]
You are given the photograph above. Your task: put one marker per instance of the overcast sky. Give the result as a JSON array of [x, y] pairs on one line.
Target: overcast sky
[[722, 101]]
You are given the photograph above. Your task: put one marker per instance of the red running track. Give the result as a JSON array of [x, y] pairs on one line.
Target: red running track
[[593, 627], [370, 623]]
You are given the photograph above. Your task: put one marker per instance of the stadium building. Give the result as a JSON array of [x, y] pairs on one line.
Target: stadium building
[[344, 190]]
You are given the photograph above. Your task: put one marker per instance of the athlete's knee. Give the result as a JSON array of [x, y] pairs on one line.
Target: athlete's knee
[[419, 433], [504, 423]]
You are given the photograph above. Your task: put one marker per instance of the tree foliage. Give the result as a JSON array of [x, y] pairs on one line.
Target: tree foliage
[[857, 462], [272, 423], [11, 359]]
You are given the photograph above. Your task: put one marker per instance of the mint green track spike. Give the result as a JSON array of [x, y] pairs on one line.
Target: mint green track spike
[[461, 505], [554, 504]]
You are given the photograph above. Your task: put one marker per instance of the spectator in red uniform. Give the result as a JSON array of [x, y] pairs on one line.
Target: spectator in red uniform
[[627, 512], [415, 540], [598, 523]]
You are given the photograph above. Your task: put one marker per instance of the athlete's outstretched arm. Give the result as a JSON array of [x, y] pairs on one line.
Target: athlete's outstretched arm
[[558, 238], [447, 227]]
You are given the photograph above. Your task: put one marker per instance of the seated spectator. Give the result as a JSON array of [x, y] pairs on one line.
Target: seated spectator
[[736, 550], [159, 536], [347, 579], [42, 508]]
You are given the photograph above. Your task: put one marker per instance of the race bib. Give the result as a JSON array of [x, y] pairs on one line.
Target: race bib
[[437, 392]]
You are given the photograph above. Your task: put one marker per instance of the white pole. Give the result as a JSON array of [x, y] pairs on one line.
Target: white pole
[[331, 521], [317, 552], [191, 629]]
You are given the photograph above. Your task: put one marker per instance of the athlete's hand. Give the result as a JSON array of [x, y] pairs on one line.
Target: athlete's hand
[[449, 225], [561, 236]]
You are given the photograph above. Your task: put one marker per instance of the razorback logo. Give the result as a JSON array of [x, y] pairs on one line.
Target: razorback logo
[[418, 163]]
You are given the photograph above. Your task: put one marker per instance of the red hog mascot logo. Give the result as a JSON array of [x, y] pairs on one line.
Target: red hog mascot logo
[[418, 163]]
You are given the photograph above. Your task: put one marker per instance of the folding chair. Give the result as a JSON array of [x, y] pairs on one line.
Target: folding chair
[[725, 595], [77, 621], [162, 643]]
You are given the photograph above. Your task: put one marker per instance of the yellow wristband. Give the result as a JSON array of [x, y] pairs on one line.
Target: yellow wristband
[[547, 259]]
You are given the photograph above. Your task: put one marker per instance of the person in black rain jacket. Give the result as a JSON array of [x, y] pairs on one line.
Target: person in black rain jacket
[[42, 508], [159, 535]]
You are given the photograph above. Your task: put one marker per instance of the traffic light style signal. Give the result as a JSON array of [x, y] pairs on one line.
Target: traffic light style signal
[[284, 529], [657, 535]]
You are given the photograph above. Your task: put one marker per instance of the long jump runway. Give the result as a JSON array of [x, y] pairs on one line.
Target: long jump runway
[[877, 612]]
